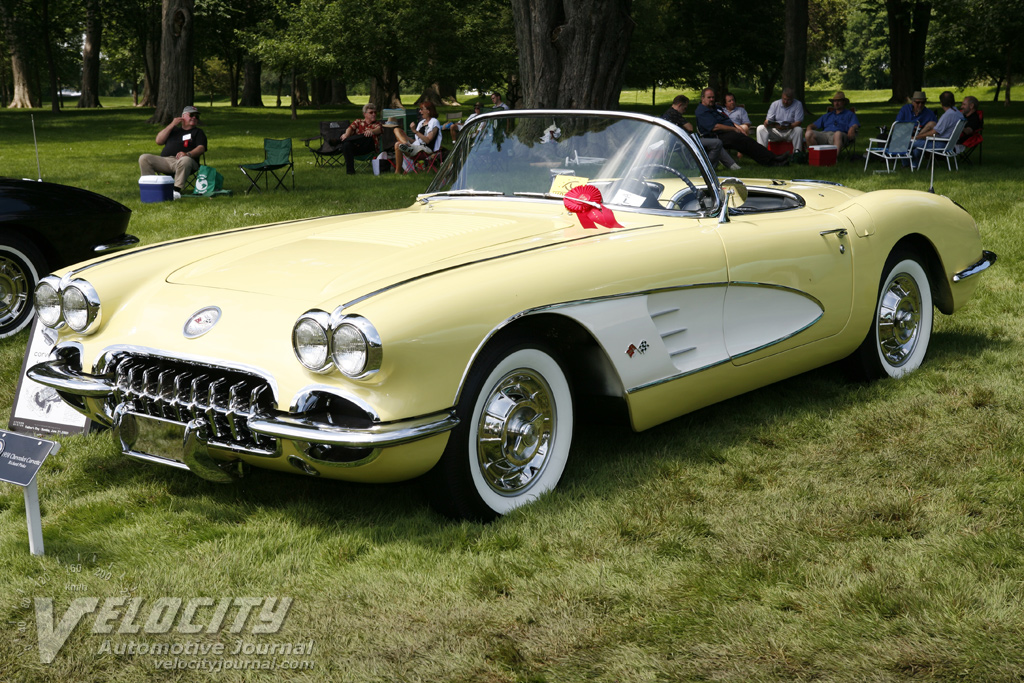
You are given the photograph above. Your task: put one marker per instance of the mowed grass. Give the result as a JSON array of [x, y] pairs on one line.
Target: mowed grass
[[815, 529]]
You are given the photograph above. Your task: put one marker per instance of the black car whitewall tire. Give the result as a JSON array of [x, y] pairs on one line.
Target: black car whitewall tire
[[20, 267], [901, 328], [513, 438]]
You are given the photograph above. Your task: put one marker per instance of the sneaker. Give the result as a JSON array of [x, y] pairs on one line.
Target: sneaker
[[407, 149], [176, 195], [734, 166]]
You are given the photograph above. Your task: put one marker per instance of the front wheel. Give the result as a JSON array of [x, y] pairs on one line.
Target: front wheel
[[513, 438], [20, 267], [902, 325]]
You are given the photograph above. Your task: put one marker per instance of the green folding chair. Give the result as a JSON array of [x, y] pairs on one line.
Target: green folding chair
[[277, 155]]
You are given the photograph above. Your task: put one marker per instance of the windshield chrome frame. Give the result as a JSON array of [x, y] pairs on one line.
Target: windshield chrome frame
[[687, 138]]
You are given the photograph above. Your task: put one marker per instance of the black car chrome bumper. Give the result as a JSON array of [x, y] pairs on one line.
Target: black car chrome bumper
[[64, 375], [125, 242], [987, 259]]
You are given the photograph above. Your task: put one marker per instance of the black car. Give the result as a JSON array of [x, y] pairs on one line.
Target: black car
[[43, 227]]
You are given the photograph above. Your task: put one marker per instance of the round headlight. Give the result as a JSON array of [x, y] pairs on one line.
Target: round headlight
[[80, 306], [349, 349], [47, 301], [355, 345], [309, 341]]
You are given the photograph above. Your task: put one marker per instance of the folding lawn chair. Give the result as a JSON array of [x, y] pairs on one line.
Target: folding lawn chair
[[277, 155], [945, 147], [328, 152], [893, 149], [967, 147]]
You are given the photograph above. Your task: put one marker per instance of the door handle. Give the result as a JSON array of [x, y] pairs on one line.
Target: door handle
[[840, 232]]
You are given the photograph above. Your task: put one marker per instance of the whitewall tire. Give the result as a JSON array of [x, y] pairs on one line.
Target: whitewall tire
[[21, 265], [513, 438], [901, 328]]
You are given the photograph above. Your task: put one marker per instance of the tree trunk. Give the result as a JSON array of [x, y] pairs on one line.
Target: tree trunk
[[1009, 80], [51, 65], [252, 93], [572, 54], [90, 97], [999, 87], [151, 73], [22, 97], [385, 90], [295, 95], [794, 61], [177, 81], [431, 93], [280, 87], [234, 74], [339, 93], [908, 29]]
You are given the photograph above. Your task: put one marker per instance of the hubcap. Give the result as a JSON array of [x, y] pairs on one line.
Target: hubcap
[[14, 292], [899, 319], [516, 431]]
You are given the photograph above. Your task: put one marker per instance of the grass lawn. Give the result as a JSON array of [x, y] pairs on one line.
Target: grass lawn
[[815, 529]]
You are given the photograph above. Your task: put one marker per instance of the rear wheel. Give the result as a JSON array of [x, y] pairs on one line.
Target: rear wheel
[[20, 267], [902, 325], [513, 438]]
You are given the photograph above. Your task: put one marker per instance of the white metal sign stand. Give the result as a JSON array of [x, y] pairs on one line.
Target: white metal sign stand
[[20, 459]]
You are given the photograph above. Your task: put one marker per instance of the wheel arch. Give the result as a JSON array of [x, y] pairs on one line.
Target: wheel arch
[[33, 237], [596, 386], [921, 246]]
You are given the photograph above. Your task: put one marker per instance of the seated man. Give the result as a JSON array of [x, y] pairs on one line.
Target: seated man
[[712, 146], [737, 114], [182, 149], [943, 129], [969, 109], [918, 113], [838, 127], [783, 121], [711, 122]]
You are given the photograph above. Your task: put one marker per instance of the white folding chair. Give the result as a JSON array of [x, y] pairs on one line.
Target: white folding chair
[[946, 147], [894, 148]]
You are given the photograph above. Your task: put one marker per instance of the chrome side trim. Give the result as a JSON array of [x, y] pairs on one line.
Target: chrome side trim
[[125, 242], [987, 259], [156, 460], [296, 428], [416, 278]]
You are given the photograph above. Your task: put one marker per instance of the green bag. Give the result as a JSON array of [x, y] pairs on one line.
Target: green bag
[[209, 183]]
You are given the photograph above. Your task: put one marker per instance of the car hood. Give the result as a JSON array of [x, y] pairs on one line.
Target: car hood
[[350, 256]]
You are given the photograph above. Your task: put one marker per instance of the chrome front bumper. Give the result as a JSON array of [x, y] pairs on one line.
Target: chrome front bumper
[[987, 259], [99, 397]]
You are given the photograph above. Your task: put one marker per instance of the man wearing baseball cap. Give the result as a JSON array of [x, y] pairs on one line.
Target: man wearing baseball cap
[[184, 144]]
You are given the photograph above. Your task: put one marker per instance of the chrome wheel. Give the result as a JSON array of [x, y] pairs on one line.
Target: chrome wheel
[[899, 319], [15, 289], [512, 442], [20, 268], [515, 432], [901, 329]]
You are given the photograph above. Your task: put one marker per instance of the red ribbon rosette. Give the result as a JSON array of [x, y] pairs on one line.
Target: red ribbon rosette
[[585, 202]]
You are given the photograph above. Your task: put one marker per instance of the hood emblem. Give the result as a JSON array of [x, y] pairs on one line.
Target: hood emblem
[[201, 322]]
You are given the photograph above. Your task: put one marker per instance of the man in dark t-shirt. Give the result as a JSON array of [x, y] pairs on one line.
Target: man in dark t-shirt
[[711, 122], [183, 147]]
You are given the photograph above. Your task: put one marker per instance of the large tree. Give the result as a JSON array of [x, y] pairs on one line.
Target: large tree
[[908, 36], [794, 62], [20, 26], [572, 53], [90, 96], [177, 84]]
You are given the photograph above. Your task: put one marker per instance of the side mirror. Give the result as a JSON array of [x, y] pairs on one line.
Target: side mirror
[[735, 196]]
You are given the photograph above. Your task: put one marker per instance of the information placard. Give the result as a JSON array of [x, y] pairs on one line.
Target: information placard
[[38, 410]]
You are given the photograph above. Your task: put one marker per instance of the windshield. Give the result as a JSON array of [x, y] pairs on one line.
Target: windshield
[[634, 163]]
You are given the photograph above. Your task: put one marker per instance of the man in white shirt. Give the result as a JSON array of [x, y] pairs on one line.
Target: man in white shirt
[[943, 129], [783, 121], [496, 101]]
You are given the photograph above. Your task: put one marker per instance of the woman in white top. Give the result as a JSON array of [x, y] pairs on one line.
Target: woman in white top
[[426, 136]]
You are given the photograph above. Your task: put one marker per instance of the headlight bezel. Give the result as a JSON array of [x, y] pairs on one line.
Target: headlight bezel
[[371, 351], [51, 282], [93, 310], [322, 321]]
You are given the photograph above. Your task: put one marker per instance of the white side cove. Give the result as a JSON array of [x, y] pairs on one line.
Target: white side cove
[[653, 338]]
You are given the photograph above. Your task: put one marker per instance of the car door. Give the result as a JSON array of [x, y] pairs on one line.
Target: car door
[[790, 281]]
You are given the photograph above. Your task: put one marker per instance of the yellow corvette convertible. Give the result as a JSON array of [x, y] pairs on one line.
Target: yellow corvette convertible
[[561, 262]]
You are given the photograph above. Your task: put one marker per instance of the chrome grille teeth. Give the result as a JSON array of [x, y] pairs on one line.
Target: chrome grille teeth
[[223, 401]]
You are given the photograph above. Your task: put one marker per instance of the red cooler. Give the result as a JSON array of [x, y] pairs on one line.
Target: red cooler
[[822, 155]]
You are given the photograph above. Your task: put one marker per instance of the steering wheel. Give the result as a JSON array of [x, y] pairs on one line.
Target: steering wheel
[[635, 173]]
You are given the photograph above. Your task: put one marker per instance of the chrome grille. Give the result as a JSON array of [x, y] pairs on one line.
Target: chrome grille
[[223, 399]]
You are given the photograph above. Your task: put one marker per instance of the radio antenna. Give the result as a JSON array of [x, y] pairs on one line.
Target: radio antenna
[[39, 170]]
